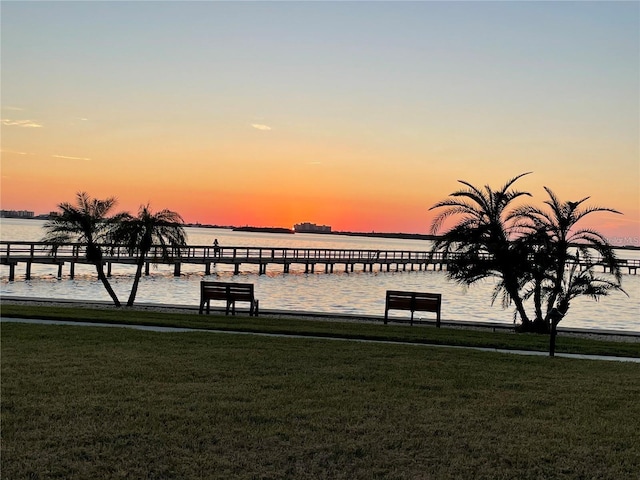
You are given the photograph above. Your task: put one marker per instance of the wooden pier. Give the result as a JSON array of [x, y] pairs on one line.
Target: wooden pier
[[29, 253]]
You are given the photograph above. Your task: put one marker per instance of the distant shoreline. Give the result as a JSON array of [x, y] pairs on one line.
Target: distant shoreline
[[287, 231], [399, 235], [264, 229]]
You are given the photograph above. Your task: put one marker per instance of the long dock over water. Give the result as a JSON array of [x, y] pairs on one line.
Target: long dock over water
[[29, 253]]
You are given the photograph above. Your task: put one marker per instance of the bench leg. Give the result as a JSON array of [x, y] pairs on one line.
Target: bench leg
[[201, 309], [386, 315], [411, 318]]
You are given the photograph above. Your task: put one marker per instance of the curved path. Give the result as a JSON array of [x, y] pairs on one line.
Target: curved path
[[281, 335]]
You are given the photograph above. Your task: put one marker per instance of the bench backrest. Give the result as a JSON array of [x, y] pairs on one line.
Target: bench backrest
[[427, 302], [227, 291]]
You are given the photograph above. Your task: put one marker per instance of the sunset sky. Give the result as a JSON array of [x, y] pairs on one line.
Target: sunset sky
[[358, 115]]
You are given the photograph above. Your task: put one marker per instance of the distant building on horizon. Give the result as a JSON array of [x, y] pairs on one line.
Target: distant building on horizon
[[307, 227], [16, 214]]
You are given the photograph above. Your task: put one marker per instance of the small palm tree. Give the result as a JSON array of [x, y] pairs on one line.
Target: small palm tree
[[87, 221], [577, 282], [482, 239], [562, 244], [163, 229]]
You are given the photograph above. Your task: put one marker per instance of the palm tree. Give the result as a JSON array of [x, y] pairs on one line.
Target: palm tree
[[562, 244], [85, 222], [482, 240], [163, 229], [577, 282], [534, 253]]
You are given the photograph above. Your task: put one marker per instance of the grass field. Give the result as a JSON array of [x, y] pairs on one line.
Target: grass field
[[80, 403], [353, 330]]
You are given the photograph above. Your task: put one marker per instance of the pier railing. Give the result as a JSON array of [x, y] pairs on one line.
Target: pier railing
[[14, 252], [76, 252]]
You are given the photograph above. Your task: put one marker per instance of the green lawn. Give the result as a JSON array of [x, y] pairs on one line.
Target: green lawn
[[102, 403], [353, 330]]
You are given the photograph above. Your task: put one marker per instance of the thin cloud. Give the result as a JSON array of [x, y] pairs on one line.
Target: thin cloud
[[13, 109], [12, 152], [259, 126], [67, 157], [20, 123]]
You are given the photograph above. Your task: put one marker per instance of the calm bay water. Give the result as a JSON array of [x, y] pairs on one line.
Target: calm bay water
[[352, 293]]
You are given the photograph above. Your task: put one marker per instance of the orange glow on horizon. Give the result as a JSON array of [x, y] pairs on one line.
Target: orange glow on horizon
[[284, 209]]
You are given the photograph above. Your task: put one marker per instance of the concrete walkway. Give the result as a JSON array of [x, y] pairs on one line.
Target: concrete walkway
[[182, 330]]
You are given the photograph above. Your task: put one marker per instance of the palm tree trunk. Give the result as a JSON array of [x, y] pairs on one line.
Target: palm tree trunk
[[521, 311], [105, 281], [537, 300], [557, 287], [541, 323], [136, 280], [511, 285]]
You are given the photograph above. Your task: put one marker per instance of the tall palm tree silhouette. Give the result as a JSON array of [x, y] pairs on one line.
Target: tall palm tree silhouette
[[87, 222], [482, 239], [140, 234]]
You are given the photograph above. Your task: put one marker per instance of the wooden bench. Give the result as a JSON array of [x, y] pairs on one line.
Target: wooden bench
[[230, 292], [413, 301]]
